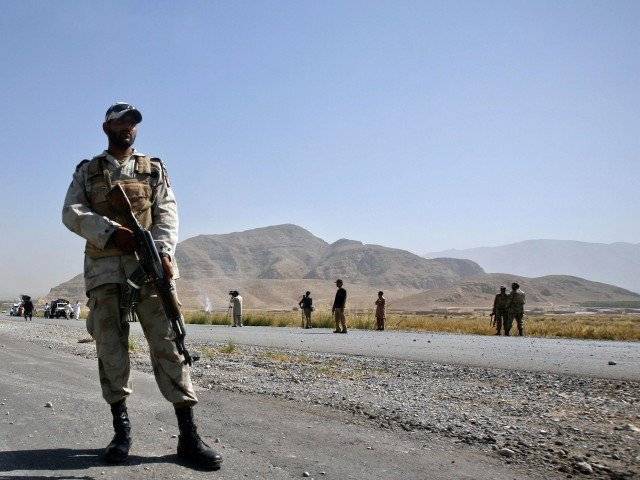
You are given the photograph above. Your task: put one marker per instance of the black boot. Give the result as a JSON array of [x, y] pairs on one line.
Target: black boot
[[191, 448], [118, 450]]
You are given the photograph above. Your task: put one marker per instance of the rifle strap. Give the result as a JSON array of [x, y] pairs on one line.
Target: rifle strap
[[107, 174]]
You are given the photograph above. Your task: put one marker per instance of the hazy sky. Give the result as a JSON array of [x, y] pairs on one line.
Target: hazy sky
[[419, 125]]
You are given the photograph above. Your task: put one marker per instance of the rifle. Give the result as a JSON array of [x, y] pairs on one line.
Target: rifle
[[151, 270]]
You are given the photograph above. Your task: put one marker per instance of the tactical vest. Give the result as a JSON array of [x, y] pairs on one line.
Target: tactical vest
[[502, 301], [139, 190], [517, 301]]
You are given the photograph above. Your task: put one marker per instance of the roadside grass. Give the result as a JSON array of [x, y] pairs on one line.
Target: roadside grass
[[133, 345], [287, 358], [229, 348], [597, 327]]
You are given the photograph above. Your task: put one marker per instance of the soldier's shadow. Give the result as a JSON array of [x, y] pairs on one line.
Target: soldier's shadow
[[66, 459]]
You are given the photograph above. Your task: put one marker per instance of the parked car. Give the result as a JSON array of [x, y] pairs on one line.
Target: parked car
[[16, 310], [59, 308]]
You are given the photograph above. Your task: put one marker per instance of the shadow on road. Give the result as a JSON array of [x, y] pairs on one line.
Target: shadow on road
[[39, 477], [65, 459]]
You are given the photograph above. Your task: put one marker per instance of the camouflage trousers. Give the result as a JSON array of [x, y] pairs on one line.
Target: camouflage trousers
[[502, 320], [518, 316], [111, 334]]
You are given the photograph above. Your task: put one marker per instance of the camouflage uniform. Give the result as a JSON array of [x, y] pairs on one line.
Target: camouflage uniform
[[87, 213], [501, 312], [516, 310]]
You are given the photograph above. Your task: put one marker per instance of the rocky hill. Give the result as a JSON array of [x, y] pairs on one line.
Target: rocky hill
[[615, 263], [273, 266], [552, 291]]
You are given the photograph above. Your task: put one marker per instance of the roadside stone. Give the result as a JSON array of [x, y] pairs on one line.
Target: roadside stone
[[611, 362], [584, 467], [48, 405], [506, 452], [306, 474]]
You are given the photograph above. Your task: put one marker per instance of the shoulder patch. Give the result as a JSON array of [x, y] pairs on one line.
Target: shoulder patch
[[165, 175], [79, 166]]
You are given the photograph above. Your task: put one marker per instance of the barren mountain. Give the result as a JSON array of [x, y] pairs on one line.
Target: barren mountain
[[273, 266], [550, 291], [615, 263]]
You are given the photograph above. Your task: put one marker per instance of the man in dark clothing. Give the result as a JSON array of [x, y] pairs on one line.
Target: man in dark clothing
[[306, 304], [28, 309], [338, 308], [500, 311]]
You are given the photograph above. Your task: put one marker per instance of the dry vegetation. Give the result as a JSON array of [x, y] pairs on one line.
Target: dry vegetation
[[603, 327]]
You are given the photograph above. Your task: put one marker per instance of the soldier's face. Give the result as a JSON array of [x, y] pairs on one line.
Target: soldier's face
[[121, 132]]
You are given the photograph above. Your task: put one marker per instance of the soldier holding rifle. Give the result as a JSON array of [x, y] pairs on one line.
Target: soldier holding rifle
[[500, 312], [122, 203]]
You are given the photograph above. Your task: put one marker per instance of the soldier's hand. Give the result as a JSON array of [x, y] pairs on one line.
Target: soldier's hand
[[124, 240], [167, 267]]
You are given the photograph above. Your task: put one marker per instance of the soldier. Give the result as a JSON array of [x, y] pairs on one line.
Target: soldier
[[380, 311], [110, 259], [500, 312], [516, 308], [338, 308], [236, 308], [306, 304]]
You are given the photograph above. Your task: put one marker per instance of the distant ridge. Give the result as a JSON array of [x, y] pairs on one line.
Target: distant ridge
[[272, 266], [615, 263]]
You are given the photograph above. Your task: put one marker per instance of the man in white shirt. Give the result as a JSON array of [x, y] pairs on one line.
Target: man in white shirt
[[236, 307]]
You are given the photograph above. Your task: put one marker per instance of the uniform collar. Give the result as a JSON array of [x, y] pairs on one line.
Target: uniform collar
[[106, 155]]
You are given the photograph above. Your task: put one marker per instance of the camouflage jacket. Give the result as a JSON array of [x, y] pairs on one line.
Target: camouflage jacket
[[501, 302], [79, 216], [517, 301]]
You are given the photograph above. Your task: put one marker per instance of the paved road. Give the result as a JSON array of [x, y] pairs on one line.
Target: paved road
[[579, 357], [260, 437]]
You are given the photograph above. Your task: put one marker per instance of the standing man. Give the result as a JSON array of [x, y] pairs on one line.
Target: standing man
[[76, 310], [110, 259], [380, 311], [500, 312], [28, 309], [338, 308], [236, 308], [516, 308], [306, 304]]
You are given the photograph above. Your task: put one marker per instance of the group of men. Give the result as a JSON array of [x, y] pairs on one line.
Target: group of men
[[338, 307], [306, 307], [508, 307]]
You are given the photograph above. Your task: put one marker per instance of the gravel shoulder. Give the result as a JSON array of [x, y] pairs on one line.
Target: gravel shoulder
[[562, 356], [540, 425]]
